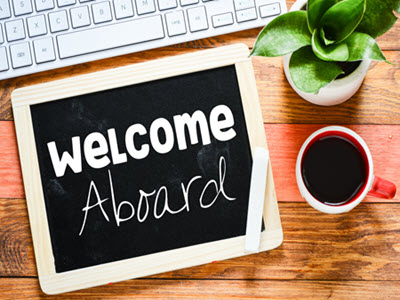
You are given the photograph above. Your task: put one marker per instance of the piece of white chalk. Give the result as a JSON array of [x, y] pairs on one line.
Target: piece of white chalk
[[256, 200]]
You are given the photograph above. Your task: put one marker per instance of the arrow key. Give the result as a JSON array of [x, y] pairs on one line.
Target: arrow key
[[270, 10]]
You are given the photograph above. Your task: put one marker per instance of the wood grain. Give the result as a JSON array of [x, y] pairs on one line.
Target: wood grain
[[355, 255], [375, 103], [11, 185], [211, 289], [279, 102], [16, 250], [363, 244], [284, 142]]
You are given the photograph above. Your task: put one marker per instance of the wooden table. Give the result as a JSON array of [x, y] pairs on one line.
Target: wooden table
[[354, 255]]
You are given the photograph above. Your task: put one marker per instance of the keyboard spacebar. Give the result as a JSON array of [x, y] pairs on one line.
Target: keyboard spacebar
[[111, 36]]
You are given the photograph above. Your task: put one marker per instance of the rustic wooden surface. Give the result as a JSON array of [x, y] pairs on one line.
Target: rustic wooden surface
[[355, 255], [284, 141]]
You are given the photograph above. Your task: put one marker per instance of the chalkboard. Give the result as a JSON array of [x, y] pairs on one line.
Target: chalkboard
[[118, 109], [142, 168]]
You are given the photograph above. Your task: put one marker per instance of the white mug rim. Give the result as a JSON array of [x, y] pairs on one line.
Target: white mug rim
[[331, 209]]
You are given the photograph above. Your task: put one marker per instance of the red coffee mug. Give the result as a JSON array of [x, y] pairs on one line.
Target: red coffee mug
[[374, 185]]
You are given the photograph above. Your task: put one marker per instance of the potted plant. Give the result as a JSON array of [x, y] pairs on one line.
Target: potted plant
[[328, 47]]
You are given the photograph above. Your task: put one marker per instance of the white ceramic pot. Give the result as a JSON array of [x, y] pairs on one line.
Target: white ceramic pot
[[336, 92]]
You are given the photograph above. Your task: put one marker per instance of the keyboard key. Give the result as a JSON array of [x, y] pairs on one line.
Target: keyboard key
[[246, 15], [58, 21], [36, 26], [15, 30], [22, 7], [270, 10], [42, 5], [44, 50], [62, 3], [145, 6], [189, 2], [175, 23], [80, 16], [123, 9], [243, 4], [21, 55], [1, 35], [101, 12], [118, 35], [167, 4], [197, 19], [5, 11], [3, 59], [222, 20]]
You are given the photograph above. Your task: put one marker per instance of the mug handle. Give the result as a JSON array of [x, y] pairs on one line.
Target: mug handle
[[382, 188]]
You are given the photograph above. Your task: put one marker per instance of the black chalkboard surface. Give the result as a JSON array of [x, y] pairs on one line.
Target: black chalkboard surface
[[143, 169], [102, 240]]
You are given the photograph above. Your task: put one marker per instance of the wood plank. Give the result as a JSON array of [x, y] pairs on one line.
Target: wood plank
[[10, 170], [10, 288], [16, 251], [284, 141], [363, 244], [376, 102]]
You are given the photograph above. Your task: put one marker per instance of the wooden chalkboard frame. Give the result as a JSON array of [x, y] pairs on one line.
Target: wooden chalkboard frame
[[54, 283]]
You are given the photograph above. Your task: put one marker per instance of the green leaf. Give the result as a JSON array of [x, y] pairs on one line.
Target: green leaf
[[379, 17], [309, 73], [341, 19], [322, 36], [335, 52], [362, 46], [316, 9], [397, 6], [283, 35]]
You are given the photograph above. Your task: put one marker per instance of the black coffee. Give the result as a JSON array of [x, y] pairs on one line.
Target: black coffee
[[334, 170]]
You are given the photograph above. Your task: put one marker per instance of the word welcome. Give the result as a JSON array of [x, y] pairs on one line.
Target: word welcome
[[99, 153], [159, 197]]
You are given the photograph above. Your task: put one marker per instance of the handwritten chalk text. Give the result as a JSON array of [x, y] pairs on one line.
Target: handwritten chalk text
[[155, 202]]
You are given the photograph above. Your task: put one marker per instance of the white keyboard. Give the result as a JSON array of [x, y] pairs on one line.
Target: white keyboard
[[39, 35]]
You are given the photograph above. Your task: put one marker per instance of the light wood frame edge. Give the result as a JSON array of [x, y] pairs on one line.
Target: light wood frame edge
[[253, 116], [52, 282], [33, 190]]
